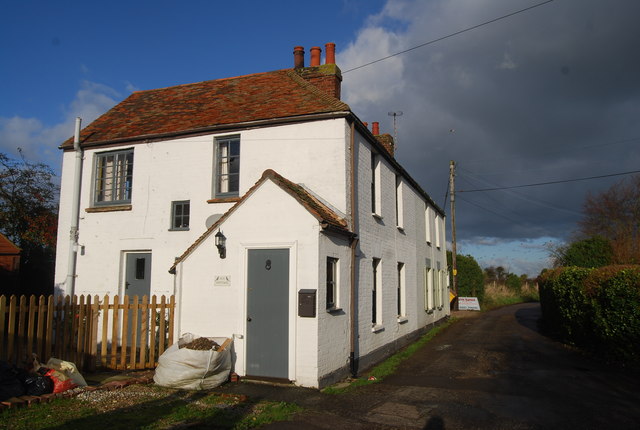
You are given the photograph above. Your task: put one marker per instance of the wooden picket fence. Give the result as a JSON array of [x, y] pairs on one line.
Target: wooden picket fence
[[89, 332]]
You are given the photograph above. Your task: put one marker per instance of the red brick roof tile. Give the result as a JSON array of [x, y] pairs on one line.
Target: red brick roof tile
[[193, 107]]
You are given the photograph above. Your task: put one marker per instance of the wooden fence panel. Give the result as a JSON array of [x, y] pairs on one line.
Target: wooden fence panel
[[116, 334]]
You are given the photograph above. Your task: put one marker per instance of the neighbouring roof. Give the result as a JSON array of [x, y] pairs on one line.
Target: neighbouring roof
[[7, 247], [326, 217], [190, 108]]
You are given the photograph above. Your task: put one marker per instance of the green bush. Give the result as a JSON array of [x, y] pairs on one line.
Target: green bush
[[564, 305], [591, 252], [470, 276], [598, 309], [514, 283]]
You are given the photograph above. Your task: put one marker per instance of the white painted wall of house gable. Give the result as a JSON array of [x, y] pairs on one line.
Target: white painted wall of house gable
[[269, 218], [159, 177], [313, 153]]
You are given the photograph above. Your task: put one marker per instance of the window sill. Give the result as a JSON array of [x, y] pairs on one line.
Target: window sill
[[377, 328], [224, 200], [402, 320], [429, 242], [429, 311], [116, 208], [376, 216], [334, 310], [179, 229], [400, 229]]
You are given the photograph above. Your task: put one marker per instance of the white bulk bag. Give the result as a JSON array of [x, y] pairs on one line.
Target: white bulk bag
[[192, 369]]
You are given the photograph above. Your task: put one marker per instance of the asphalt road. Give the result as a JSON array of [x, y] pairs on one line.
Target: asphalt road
[[492, 370]]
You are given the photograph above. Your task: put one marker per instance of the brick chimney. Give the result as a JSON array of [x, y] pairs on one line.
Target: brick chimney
[[386, 140], [315, 56], [298, 57], [327, 77]]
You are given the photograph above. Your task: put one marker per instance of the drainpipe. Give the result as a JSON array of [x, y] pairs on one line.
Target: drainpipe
[[75, 212], [353, 362]]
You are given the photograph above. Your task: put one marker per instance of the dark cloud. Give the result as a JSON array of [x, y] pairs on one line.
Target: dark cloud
[[549, 94]]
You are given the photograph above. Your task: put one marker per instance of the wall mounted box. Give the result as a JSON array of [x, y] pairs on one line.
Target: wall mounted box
[[307, 303]]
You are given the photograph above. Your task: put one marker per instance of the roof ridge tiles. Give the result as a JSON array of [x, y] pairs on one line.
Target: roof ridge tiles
[[249, 75]]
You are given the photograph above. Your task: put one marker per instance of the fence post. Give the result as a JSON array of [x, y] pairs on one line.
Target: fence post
[[105, 331], [40, 336], [134, 333], [49, 333], [22, 327], [93, 337], [3, 321], [152, 336], [124, 338]]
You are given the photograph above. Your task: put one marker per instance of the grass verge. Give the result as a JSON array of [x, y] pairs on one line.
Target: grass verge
[[497, 295], [389, 366]]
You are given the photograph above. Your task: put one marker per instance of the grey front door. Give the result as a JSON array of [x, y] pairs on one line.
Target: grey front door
[[267, 337], [138, 274], [137, 283]]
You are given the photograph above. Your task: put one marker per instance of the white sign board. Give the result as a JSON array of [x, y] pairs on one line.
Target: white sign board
[[468, 304], [222, 281]]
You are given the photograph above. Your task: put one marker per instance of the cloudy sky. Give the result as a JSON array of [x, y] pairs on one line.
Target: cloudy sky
[[548, 94]]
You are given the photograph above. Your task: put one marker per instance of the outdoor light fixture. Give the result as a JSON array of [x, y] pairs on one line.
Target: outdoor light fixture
[[220, 244]]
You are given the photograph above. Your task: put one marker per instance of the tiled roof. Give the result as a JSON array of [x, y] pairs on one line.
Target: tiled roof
[[199, 106], [7, 247], [326, 217]]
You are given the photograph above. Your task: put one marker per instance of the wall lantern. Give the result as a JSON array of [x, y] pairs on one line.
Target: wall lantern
[[220, 244]]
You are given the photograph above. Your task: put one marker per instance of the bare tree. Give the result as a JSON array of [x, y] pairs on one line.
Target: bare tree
[[28, 217], [615, 215]]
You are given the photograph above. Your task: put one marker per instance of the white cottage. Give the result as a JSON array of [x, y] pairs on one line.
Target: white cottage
[[270, 211]]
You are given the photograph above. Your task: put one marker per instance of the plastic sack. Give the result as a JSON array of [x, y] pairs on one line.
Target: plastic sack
[[61, 382], [10, 384], [69, 369], [37, 385], [189, 369]]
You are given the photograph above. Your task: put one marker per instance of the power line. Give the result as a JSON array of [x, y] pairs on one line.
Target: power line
[[450, 35], [489, 210], [521, 196], [550, 183]]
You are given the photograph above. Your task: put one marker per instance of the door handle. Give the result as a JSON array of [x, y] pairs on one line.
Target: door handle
[[249, 319]]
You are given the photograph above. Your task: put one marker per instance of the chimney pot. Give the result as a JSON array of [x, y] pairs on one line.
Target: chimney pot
[[375, 126], [330, 50], [298, 57], [315, 56]]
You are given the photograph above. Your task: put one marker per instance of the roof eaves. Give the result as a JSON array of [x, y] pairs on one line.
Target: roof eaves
[[208, 130]]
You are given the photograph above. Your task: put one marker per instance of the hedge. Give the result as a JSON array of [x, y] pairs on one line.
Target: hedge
[[597, 309]]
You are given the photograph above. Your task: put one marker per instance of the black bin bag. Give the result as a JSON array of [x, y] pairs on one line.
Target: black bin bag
[[10, 384]]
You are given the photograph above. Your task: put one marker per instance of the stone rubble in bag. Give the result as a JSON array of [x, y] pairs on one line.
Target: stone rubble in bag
[[201, 344]]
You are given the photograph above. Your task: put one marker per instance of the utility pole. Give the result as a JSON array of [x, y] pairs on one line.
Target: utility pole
[[452, 192]]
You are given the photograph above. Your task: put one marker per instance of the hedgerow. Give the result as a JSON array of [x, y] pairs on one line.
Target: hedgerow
[[597, 309]]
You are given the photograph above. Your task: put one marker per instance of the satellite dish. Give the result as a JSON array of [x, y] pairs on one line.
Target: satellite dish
[[212, 220]]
